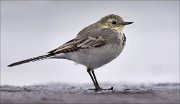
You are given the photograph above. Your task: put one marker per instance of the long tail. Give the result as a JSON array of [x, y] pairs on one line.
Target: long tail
[[31, 60]]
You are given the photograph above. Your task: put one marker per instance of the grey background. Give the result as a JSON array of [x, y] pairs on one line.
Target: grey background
[[32, 28]]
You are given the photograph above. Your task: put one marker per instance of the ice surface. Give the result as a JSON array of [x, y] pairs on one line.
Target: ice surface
[[69, 93]]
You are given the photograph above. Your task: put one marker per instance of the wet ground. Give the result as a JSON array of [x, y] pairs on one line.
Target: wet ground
[[67, 93]]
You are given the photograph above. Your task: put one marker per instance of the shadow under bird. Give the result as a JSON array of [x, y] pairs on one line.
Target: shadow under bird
[[93, 47]]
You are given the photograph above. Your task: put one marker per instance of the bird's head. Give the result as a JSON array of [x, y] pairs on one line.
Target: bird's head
[[113, 22]]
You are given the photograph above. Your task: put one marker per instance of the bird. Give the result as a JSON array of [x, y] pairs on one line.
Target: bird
[[94, 46]]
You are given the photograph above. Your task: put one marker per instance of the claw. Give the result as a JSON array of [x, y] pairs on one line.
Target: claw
[[110, 88]]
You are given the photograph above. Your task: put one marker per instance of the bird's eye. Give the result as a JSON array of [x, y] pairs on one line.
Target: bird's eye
[[114, 22]]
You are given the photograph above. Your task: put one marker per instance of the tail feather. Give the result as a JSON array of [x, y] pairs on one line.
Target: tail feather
[[31, 60]]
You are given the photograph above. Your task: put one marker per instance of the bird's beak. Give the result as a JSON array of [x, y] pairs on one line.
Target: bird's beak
[[127, 23]]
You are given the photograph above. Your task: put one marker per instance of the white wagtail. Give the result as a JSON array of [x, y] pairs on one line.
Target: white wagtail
[[93, 47]]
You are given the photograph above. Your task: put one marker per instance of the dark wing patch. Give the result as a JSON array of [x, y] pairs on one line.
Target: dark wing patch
[[67, 47], [99, 41]]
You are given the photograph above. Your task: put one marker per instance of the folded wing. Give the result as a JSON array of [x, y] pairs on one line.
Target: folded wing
[[88, 41]]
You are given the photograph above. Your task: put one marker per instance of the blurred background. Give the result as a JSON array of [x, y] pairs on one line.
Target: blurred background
[[32, 28]]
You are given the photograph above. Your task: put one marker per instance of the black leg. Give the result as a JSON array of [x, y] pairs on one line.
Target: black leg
[[95, 82], [98, 87], [89, 72]]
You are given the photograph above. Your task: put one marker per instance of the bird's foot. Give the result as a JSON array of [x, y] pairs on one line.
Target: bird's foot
[[100, 89]]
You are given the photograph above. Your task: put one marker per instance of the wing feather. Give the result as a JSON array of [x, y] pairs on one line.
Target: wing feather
[[92, 39]]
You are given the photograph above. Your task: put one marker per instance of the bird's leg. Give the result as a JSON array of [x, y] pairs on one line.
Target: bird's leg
[[98, 87], [94, 82]]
